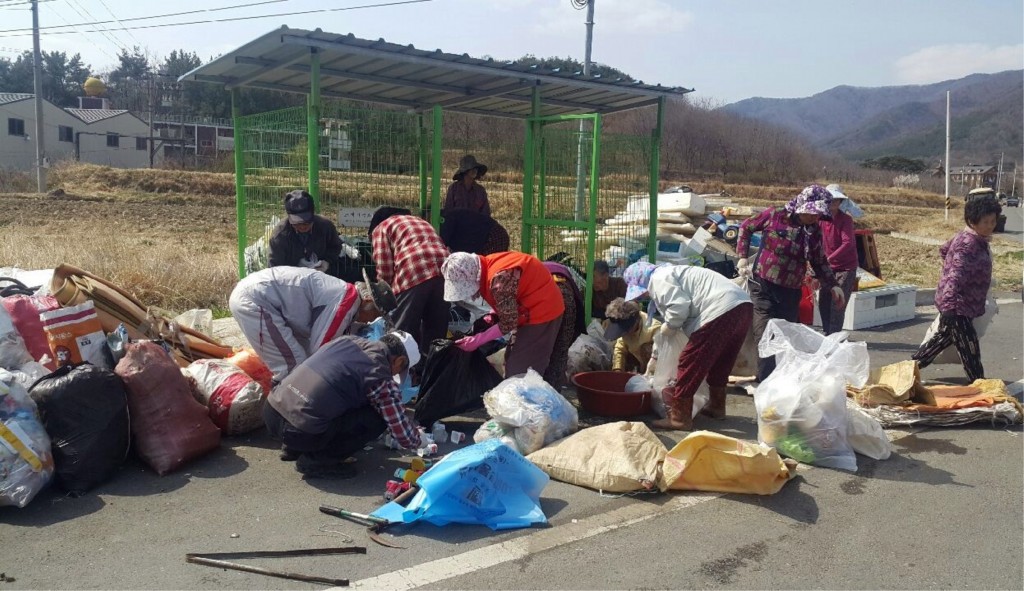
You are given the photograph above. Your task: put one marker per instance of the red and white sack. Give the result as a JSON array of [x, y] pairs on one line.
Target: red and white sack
[[76, 335], [24, 311], [169, 427], [235, 400]]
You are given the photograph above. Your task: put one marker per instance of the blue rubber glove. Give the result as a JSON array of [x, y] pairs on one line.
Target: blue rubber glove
[[476, 341]]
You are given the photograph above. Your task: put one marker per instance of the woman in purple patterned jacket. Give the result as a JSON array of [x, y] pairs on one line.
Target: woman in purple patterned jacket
[[963, 287], [790, 238]]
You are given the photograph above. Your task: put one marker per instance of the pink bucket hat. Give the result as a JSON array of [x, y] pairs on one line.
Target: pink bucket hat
[[461, 272]]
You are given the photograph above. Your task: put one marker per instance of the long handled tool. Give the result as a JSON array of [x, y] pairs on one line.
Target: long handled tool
[[216, 559], [375, 525]]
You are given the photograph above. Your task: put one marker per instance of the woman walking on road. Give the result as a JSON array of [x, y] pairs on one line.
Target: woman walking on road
[[963, 287]]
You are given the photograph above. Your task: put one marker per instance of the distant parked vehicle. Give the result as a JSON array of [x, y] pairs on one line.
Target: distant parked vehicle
[[1013, 201]]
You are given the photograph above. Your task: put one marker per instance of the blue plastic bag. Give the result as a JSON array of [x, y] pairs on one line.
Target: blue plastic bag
[[488, 484]]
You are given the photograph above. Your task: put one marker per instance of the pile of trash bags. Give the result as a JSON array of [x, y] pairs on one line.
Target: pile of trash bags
[[82, 383], [527, 414]]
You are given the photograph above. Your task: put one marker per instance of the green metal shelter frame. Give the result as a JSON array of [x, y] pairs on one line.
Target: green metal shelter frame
[[563, 112]]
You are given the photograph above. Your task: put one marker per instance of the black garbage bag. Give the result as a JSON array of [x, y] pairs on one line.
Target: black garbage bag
[[85, 412], [453, 381]]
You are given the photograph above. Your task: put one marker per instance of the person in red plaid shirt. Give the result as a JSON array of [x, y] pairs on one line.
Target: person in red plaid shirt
[[408, 254]]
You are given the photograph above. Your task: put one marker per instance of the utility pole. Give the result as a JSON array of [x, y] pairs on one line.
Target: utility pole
[[999, 175], [581, 200], [947, 156], [152, 109], [37, 74]]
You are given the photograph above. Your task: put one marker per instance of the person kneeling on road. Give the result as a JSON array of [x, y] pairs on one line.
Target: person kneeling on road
[[714, 313], [341, 398], [632, 333]]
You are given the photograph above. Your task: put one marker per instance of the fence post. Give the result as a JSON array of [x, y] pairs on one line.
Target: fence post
[[532, 132], [313, 127], [595, 160], [435, 184], [422, 145], [240, 212], [655, 173]]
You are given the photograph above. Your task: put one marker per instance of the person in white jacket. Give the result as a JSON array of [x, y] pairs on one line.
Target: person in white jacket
[[287, 313], [714, 313]]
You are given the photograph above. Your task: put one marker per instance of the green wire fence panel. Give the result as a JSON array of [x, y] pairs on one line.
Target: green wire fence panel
[[624, 198], [369, 157], [499, 144], [274, 163]]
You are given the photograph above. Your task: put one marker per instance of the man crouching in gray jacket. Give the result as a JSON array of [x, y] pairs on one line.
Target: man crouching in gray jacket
[[339, 399]]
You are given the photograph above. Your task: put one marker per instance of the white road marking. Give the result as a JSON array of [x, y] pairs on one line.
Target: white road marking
[[546, 539], [495, 554]]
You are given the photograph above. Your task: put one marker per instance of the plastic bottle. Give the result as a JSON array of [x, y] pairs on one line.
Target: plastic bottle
[[439, 433]]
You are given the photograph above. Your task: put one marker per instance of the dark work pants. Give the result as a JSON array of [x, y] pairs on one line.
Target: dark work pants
[[423, 313], [958, 331], [346, 435], [832, 318], [771, 301]]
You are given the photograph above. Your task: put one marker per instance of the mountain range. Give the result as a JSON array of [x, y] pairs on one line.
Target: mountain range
[[987, 118]]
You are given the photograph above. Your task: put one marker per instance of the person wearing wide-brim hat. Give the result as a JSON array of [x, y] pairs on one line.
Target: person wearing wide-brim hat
[[466, 192], [840, 244]]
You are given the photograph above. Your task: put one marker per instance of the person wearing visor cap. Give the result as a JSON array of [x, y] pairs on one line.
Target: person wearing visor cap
[[633, 334], [714, 313], [841, 250], [790, 239], [341, 398], [303, 238], [287, 313]]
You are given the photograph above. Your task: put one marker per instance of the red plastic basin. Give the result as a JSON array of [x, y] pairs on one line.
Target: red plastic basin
[[604, 393]]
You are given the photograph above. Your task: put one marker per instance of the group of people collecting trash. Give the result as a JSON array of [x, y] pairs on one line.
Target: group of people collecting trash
[[335, 391]]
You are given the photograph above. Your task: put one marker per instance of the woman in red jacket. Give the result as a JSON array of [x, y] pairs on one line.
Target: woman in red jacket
[[524, 296]]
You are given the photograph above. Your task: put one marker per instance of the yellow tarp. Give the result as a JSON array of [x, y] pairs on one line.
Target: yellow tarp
[[718, 463]]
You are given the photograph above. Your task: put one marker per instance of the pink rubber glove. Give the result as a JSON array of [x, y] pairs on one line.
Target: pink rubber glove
[[478, 340]]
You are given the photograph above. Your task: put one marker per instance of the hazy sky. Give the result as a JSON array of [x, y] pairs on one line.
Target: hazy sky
[[726, 49]]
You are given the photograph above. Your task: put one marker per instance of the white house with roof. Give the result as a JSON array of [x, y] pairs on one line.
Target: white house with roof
[[112, 137]]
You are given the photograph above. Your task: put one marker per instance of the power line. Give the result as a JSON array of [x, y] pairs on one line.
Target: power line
[[105, 34], [168, 15], [10, 4], [232, 19], [130, 34], [92, 40]]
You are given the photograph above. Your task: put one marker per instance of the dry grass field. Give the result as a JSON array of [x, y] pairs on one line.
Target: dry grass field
[[169, 236]]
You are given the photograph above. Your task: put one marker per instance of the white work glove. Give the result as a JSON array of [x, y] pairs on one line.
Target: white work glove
[[322, 266], [743, 268], [308, 264], [650, 367], [667, 331], [838, 299]]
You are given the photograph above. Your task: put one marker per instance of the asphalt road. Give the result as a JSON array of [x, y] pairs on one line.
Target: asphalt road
[[1014, 222], [945, 511]]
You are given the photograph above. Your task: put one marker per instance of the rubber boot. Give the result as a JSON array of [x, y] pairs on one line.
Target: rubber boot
[[715, 408], [680, 415]]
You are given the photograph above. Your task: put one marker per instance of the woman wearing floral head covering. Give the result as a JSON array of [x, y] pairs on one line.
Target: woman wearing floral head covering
[[790, 239]]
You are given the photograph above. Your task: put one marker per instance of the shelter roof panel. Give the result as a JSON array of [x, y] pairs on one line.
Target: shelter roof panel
[[402, 75]]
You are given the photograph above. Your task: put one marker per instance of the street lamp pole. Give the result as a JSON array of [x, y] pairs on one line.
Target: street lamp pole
[[581, 200]]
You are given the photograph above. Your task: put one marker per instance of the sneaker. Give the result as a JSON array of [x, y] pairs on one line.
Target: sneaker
[[314, 468], [288, 455]]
